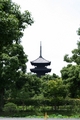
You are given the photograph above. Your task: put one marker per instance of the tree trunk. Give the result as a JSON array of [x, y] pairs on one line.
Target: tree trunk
[[55, 107], [1, 99]]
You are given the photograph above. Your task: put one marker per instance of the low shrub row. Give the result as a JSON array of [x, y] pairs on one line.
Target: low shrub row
[[67, 107]]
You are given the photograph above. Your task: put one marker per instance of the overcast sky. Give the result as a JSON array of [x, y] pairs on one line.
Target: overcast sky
[[55, 24]]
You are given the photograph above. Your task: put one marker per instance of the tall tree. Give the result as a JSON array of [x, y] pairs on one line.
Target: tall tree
[[71, 73], [12, 56]]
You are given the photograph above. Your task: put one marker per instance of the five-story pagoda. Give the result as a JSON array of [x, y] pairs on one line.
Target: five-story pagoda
[[40, 65]]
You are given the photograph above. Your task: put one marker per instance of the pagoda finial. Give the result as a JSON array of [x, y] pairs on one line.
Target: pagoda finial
[[40, 49]]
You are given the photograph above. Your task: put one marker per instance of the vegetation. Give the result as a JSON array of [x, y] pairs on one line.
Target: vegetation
[[71, 73], [38, 96], [12, 56], [24, 94]]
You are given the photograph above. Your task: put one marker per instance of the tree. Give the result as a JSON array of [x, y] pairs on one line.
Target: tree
[[71, 73], [71, 77], [75, 58], [12, 22], [55, 91], [27, 93], [12, 56], [50, 77], [33, 85]]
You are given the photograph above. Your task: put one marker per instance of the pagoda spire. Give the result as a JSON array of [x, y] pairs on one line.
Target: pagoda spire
[[40, 49]]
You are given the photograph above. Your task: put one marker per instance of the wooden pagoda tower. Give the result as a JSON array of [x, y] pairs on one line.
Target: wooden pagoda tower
[[40, 65]]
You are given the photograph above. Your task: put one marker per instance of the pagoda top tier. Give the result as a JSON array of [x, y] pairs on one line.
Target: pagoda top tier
[[40, 60]]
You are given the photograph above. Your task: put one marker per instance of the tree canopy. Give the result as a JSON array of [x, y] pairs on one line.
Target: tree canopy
[[12, 22], [12, 56], [71, 73]]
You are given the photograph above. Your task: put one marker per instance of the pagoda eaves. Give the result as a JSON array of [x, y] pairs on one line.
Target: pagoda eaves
[[40, 61]]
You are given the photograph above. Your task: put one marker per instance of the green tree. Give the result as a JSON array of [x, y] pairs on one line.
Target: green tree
[[71, 77], [33, 85], [28, 92], [12, 22], [12, 56], [71, 73], [75, 58], [55, 90], [50, 77]]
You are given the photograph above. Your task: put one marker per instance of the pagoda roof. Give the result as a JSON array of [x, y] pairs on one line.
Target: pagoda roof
[[44, 70], [40, 60]]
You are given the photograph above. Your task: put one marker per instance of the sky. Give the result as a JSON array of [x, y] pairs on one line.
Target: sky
[[55, 24]]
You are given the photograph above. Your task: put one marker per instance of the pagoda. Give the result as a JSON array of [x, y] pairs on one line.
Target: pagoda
[[40, 65]]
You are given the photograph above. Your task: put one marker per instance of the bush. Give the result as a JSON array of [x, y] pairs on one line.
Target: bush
[[10, 107]]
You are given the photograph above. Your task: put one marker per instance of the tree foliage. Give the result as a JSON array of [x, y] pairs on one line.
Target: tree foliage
[[12, 56], [71, 77], [71, 73], [12, 22], [75, 55], [50, 77], [54, 89]]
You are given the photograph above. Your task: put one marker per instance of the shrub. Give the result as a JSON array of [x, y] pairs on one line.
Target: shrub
[[10, 107]]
